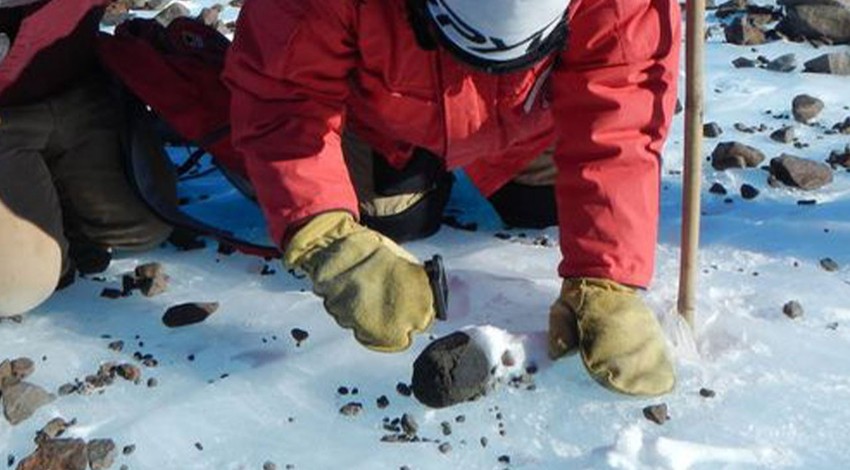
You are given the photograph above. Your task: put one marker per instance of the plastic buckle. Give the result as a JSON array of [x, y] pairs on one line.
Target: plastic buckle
[[439, 286]]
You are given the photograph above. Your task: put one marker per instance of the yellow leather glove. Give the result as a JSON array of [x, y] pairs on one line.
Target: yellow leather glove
[[369, 284], [620, 341]]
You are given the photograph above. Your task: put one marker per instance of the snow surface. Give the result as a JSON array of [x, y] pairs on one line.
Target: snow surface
[[783, 386]]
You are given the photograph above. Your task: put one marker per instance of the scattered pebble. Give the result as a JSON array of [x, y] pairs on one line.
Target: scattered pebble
[[383, 402], [749, 191], [53, 429], [403, 389], [505, 459], [793, 309], [189, 313], [150, 279], [409, 425], [717, 188], [152, 382], [445, 448], [446, 428], [656, 413], [129, 372], [269, 466], [707, 393], [116, 346], [351, 409], [299, 336], [101, 453], [110, 293], [829, 264], [128, 449]]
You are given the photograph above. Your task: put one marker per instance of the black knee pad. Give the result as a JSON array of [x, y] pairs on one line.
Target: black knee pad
[[420, 220], [524, 206]]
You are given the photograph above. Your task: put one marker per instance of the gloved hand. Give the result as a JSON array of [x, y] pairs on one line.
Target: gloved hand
[[369, 284], [620, 341]]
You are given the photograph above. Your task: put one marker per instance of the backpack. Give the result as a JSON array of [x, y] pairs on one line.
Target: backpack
[[193, 108]]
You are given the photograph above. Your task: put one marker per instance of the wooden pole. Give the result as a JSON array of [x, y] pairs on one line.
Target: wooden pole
[[695, 82]]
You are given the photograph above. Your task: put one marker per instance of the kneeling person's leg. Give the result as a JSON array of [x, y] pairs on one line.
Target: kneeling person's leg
[[528, 201], [32, 246], [98, 200], [405, 204]]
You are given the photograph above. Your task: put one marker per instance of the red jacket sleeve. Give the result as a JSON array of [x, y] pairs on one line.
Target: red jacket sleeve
[[287, 71], [613, 98]]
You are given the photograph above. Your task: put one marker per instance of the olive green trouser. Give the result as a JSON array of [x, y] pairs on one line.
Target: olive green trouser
[[62, 180]]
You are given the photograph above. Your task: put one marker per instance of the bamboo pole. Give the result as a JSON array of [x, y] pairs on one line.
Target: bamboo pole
[[695, 82]]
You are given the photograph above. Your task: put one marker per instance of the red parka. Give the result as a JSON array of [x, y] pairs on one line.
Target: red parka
[[53, 46], [301, 70]]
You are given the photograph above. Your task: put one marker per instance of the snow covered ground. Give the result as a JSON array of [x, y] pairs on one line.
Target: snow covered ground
[[252, 395]]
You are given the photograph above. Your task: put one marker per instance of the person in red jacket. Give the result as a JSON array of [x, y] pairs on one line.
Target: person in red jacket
[[64, 198], [350, 113]]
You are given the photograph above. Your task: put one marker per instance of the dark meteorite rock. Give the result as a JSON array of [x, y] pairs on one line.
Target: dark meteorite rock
[[188, 314], [451, 370]]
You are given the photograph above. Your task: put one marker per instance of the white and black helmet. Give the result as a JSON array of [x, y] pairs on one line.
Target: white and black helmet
[[499, 35]]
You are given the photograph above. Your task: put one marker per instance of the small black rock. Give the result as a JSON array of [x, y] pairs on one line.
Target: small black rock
[[707, 393], [403, 389], [718, 189], [829, 264], [188, 313], [793, 309], [749, 191], [383, 402], [299, 335]]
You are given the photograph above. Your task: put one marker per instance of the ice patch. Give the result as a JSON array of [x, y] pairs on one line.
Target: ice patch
[[633, 450]]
